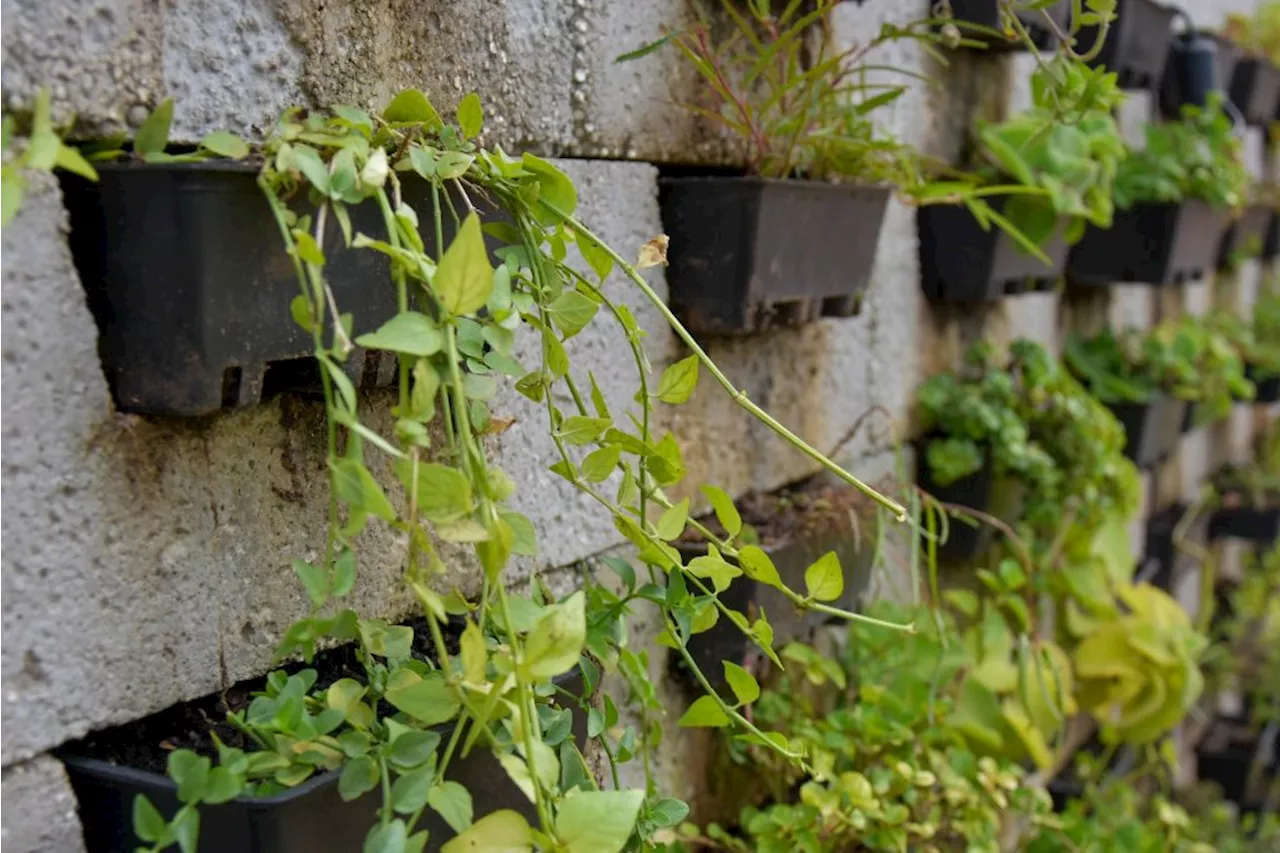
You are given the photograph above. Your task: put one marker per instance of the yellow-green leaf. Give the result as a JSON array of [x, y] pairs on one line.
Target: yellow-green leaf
[[679, 381], [411, 107], [673, 519], [824, 580], [503, 831], [464, 276], [470, 115], [742, 683], [758, 566], [554, 644], [705, 712]]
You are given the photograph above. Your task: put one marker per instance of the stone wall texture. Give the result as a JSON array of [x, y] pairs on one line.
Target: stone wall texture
[[146, 560]]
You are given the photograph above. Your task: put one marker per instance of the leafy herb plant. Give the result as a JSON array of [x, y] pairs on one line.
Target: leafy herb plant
[[1064, 151], [797, 103], [1198, 157]]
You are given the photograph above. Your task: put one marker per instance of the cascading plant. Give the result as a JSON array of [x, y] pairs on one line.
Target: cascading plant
[[447, 207]]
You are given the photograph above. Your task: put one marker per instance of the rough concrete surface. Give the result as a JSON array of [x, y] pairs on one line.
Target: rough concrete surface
[[41, 817]]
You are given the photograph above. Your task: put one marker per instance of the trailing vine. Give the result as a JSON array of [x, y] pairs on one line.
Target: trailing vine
[[454, 337]]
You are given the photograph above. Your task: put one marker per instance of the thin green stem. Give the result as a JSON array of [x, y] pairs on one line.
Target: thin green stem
[[739, 396]]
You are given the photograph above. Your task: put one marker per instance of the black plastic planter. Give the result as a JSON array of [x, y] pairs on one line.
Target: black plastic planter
[[1246, 234], [1137, 42], [1266, 388], [960, 262], [1255, 90], [1261, 525], [1229, 768], [1271, 241], [986, 13], [1152, 430], [1159, 553], [1198, 63], [189, 282], [311, 818], [1150, 243], [726, 642], [750, 253], [981, 490]]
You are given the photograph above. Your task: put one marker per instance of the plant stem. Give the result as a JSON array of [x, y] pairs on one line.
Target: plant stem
[[739, 397]]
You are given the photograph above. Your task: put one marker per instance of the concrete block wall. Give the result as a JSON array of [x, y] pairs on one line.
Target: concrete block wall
[[148, 559]]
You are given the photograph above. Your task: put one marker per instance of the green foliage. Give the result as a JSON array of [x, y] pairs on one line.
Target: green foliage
[[44, 151], [1066, 146], [464, 289], [1191, 359], [796, 102], [1140, 673], [1258, 34], [1035, 423], [1198, 157], [886, 770], [1256, 345]]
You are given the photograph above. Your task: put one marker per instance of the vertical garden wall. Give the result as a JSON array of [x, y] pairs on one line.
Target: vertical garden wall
[[146, 558]]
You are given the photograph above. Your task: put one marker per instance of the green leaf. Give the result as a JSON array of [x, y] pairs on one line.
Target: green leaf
[[824, 580], [673, 520], [344, 573], [191, 772], [411, 106], [525, 537], [444, 493], [742, 683], [453, 803], [357, 488], [470, 115], [153, 133], [314, 580], [705, 712], [225, 144], [667, 812], [596, 256], [148, 824], [599, 464], [678, 381], [464, 276], [387, 838], [312, 167], [413, 748], [597, 821], [186, 829], [503, 831], [758, 566], [554, 644], [223, 786], [11, 193], [720, 572], [571, 312], [359, 776], [580, 430], [409, 332], [428, 700], [555, 188], [726, 512], [645, 50], [73, 161], [409, 792]]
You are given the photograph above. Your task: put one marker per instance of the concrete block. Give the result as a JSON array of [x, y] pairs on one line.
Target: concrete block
[[101, 60], [42, 809]]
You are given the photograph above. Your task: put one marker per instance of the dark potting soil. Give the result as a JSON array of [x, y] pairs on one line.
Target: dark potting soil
[[809, 507], [145, 744]]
